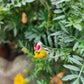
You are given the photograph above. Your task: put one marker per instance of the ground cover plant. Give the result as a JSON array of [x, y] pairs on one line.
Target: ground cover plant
[[58, 24]]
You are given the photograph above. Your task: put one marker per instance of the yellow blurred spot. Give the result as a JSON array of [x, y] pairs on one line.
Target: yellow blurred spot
[[35, 18], [24, 18], [39, 54], [17, 10], [26, 70], [74, 20], [77, 51], [19, 79]]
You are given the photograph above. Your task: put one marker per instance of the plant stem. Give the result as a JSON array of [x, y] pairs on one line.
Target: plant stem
[[81, 71], [37, 71], [60, 54], [57, 55]]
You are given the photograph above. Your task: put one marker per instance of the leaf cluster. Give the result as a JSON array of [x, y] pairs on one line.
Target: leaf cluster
[[58, 24]]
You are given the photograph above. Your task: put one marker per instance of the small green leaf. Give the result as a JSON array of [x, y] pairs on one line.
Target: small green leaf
[[75, 61], [56, 33], [37, 39], [29, 1], [57, 53], [50, 41], [78, 26], [58, 11], [63, 27], [67, 39], [51, 55], [61, 1], [77, 58], [15, 31], [20, 43], [76, 81], [45, 39], [59, 17], [69, 77], [71, 67], [1, 22], [82, 79], [75, 46]]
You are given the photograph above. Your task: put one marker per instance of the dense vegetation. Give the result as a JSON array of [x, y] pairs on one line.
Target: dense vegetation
[[58, 24]]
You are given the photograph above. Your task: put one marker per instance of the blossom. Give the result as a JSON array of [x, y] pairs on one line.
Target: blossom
[[19, 79], [40, 54], [38, 46]]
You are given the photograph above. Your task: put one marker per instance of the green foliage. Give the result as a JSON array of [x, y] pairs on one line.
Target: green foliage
[[78, 70], [58, 24]]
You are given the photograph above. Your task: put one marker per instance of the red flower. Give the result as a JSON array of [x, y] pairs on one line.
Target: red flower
[[37, 46]]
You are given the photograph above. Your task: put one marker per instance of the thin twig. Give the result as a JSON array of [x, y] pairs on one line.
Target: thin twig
[[57, 55]]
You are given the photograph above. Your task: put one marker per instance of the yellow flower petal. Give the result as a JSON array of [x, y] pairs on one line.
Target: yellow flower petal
[[39, 54], [19, 79]]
